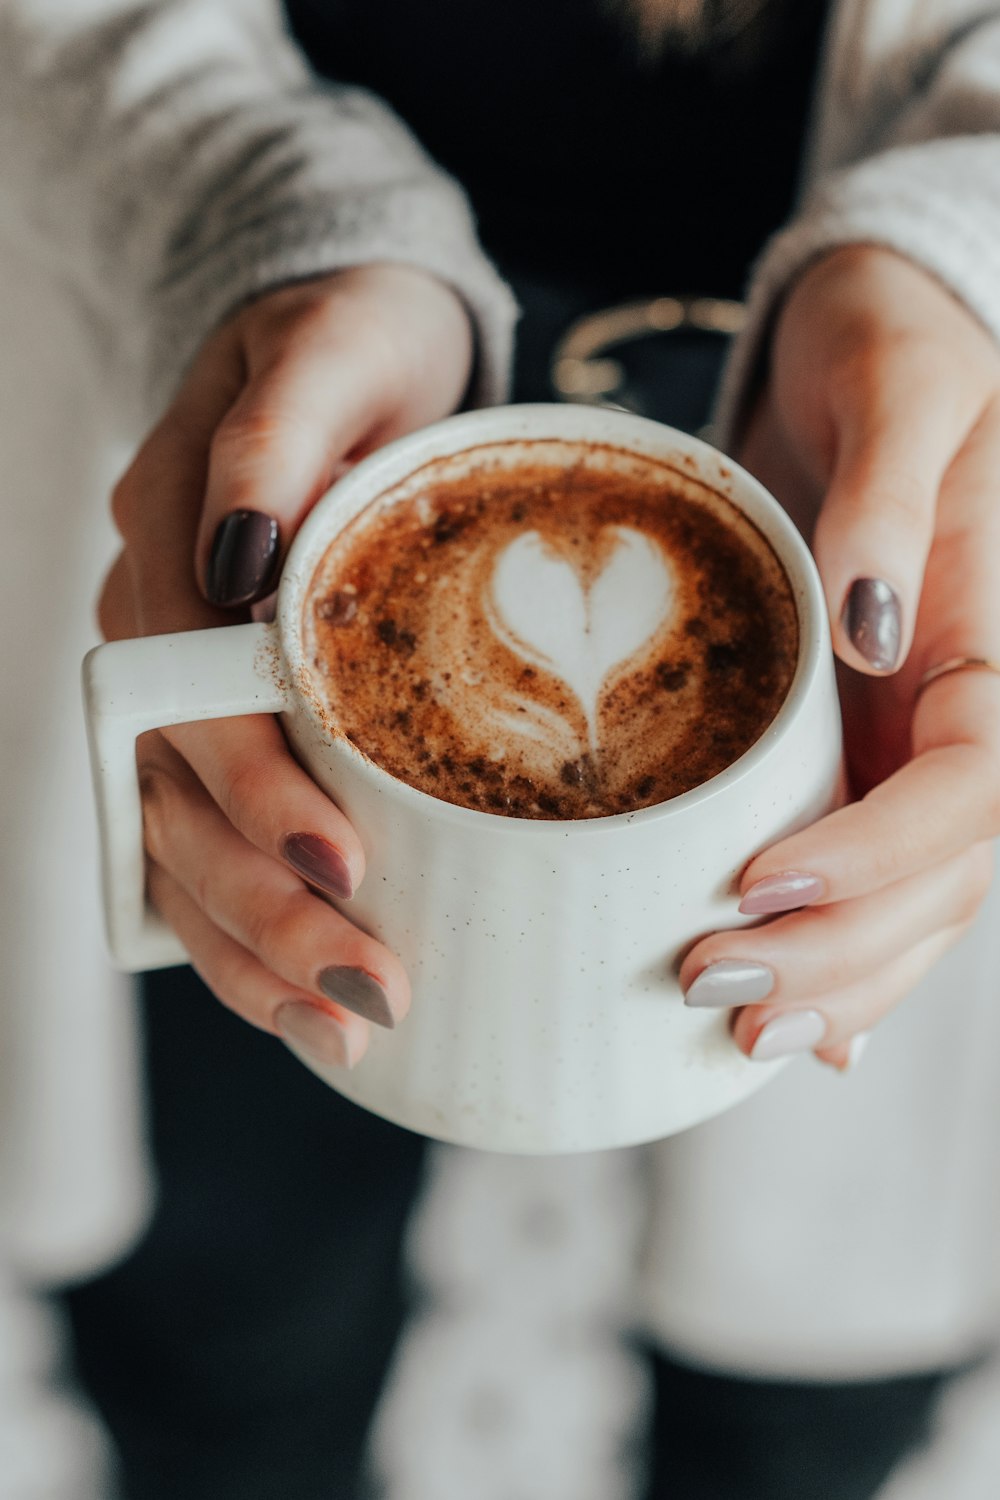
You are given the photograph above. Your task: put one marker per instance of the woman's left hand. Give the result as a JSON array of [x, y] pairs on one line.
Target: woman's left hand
[[879, 430]]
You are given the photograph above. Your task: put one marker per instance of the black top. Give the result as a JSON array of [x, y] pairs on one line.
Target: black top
[[586, 161]]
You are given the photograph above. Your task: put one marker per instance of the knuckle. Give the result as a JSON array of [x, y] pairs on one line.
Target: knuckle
[[247, 432], [883, 496], [837, 962], [239, 793], [280, 932], [889, 858], [900, 497], [262, 925]]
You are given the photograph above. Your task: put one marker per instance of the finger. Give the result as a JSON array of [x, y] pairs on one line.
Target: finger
[[157, 502], [828, 1023], [245, 766], [336, 1037], [311, 403], [958, 614], [261, 904], [845, 1057], [897, 427], [765, 450], [935, 806], [819, 950], [116, 614]]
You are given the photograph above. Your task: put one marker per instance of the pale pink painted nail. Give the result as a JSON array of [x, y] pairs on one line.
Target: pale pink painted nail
[[730, 981], [794, 1031], [857, 1048], [316, 1038], [785, 892]]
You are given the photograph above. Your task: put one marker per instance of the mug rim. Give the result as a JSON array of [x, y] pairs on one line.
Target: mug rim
[[487, 427]]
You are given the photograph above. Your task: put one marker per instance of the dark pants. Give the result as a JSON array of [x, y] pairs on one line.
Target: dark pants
[[238, 1353]]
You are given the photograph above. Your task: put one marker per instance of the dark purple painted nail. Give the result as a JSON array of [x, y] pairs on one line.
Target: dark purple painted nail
[[871, 618], [359, 991], [785, 892], [320, 863], [243, 563]]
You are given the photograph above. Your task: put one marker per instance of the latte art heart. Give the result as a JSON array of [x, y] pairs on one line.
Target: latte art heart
[[541, 608], [550, 630]]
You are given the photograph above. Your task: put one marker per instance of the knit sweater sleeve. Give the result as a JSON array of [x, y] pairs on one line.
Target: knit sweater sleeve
[[171, 158], [929, 189]]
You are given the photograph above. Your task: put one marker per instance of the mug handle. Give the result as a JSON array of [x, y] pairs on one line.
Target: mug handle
[[150, 683]]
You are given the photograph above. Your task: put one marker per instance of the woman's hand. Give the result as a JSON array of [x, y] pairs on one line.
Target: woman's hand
[[882, 411], [241, 844]]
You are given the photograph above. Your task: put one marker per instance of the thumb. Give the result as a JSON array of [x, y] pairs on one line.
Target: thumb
[[334, 368], [272, 456], [892, 448]]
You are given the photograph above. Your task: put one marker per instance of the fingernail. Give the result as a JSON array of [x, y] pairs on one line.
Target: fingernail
[[730, 981], [317, 1038], [784, 892], [244, 558], [857, 1048], [359, 991], [320, 863], [871, 618], [795, 1031]]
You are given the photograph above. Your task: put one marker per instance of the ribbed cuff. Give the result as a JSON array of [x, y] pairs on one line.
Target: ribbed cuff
[[315, 241]]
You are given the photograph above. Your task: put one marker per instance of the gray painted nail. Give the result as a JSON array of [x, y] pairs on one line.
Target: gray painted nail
[[359, 991], [795, 1031], [316, 1039], [872, 619], [785, 892], [730, 981]]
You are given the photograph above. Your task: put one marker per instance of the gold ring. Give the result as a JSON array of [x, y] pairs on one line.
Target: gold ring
[[957, 664]]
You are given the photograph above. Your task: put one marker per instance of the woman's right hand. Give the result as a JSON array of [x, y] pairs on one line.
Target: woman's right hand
[[241, 844]]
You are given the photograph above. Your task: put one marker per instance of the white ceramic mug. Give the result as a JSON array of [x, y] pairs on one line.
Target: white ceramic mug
[[546, 1012]]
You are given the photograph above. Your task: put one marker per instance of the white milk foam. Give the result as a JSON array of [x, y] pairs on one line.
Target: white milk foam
[[539, 607]]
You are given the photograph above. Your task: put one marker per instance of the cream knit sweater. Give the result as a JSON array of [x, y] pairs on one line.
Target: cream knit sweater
[[169, 159]]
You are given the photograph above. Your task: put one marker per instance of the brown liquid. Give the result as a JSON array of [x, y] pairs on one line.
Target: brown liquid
[[432, 661]]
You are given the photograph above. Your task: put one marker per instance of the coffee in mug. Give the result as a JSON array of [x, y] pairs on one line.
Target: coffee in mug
[[553, 631]]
